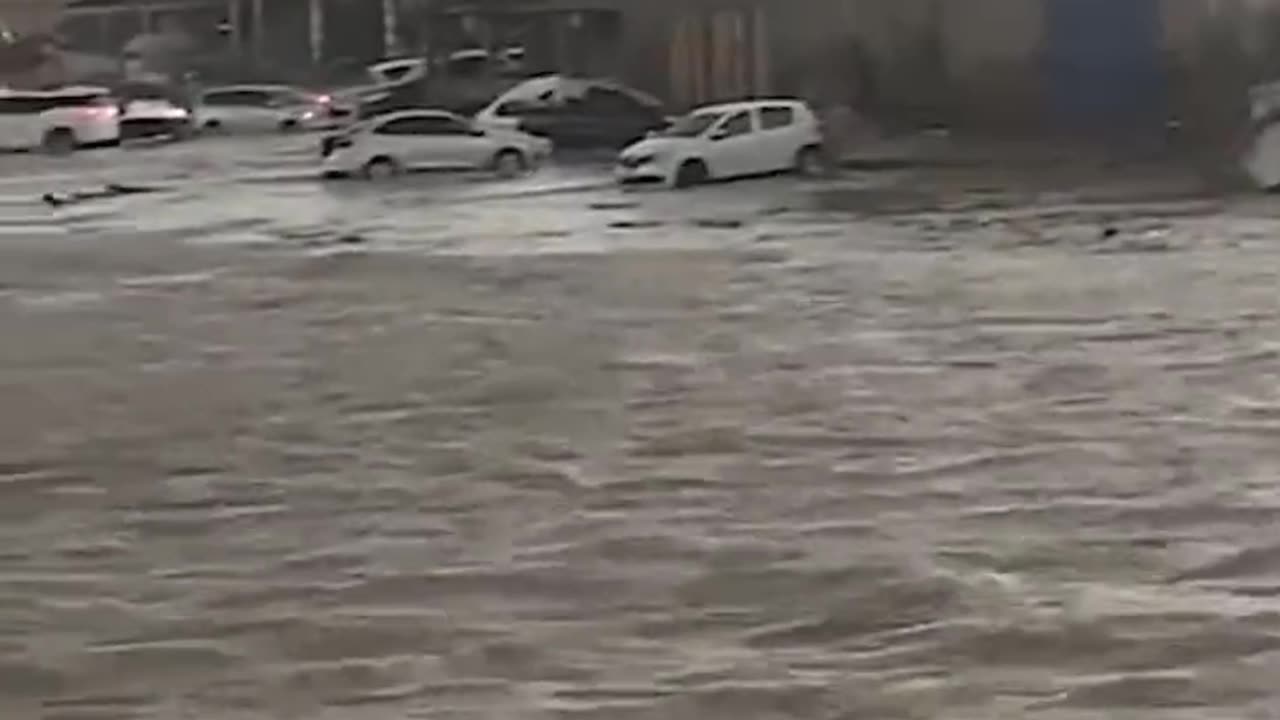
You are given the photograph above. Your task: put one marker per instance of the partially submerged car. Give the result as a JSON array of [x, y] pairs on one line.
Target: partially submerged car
[[231, 108], [1262, 158], [576, 112], [463, 82], [410, 140], [58, 121], [150, 110], [721, 142]]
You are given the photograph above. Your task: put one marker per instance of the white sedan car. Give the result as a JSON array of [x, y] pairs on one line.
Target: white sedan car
[[407, 140], [259, 108], [720, 142]]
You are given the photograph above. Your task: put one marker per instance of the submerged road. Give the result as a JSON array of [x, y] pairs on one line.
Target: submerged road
[[462, 448]]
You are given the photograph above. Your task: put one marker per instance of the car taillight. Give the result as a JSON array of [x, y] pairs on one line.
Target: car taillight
[[100, 112]]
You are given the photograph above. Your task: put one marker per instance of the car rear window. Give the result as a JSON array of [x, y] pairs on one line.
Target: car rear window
[[776, 117]]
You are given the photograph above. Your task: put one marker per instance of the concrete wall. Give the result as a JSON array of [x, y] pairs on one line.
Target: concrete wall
[[992, 60]]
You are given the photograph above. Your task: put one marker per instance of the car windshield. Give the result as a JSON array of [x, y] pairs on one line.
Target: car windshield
[[693, 125]]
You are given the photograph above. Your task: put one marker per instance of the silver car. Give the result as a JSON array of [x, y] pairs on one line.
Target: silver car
[[266, 108]]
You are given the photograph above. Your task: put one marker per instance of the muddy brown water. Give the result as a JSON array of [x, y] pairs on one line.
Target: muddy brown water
[[789, 478]]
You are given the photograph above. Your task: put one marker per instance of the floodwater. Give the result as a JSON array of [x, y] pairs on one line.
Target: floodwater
[[541, 449]]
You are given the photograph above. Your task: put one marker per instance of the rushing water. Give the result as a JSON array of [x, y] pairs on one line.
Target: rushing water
[[925, 469]]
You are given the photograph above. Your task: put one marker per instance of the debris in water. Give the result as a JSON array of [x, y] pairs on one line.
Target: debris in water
[[109, 190], [718, 223]]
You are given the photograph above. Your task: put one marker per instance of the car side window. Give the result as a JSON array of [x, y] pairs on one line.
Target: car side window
[[217, 99], [428, 125], [21, 106], [285, 98], [737, 124], [399, 126], [774, 117], [236, 98]]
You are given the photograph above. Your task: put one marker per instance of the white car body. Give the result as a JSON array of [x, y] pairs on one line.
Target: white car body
[[548, 90], [263, 108], [428, 140], [733, 140], [30, 118], [150, 110], [1262, 158]]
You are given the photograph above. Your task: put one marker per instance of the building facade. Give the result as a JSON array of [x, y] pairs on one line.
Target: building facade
[[1043, 64]]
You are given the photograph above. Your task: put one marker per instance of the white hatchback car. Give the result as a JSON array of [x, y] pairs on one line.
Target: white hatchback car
[[407, 140], [720, 142]]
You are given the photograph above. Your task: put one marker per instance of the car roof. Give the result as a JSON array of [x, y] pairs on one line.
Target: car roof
[[534, 88], [749, 104], [426, 112]]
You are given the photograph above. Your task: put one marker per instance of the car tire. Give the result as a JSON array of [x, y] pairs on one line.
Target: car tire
[[381, 168], [59, 141], [809, 162], [691, 173], [509, 163]]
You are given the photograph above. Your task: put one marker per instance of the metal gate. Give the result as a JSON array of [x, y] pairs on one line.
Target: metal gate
[[1103, 64]]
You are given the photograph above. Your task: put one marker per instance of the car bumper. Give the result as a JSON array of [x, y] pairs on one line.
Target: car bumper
[[153, 127], [340, 163], [645, 173]]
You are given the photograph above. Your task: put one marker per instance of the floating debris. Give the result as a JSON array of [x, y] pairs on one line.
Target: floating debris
[[719, 223], [108, 191]]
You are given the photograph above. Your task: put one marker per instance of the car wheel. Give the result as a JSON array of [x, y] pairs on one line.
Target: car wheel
[[509, 163], [381, 168], [809, 162], [691, 173], [59, 141]]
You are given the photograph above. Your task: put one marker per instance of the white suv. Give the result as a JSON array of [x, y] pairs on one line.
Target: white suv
[[58, 121], [719, 142]]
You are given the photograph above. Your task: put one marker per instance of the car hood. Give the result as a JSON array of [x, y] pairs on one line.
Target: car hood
[[656, 145]]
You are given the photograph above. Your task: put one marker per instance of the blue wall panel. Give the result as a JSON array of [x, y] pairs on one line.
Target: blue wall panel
[[1103, 63]]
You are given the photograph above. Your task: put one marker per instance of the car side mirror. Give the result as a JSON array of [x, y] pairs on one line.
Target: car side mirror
[[477, 132], [718, 135]]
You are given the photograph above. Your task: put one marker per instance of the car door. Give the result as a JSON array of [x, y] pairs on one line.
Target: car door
[[458, 144], [419, 141], [614, 119], [399, 138], [778, 135], [257, 110], [732, 147]]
